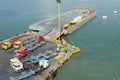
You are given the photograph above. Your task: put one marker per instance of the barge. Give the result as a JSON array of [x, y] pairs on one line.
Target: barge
[[70, 21], [40, 47]]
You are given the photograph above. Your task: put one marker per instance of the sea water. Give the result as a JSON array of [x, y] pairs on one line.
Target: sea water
[[99, 39]]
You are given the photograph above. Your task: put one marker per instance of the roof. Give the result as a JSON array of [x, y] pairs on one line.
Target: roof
[[14, 60], [18, 42]]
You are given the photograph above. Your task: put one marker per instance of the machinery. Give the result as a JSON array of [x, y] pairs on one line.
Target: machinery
[[6, 45], [18, 44]]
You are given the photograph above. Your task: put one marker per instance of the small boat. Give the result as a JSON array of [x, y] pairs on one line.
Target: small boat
[[114, 12], [104, 17]]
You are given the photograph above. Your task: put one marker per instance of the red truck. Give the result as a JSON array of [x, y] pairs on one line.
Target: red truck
[[39, 38], [20, 53]]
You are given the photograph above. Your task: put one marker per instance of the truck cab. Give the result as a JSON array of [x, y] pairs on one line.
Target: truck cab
[[6, 45], [44, 64], [18, 44], [20, 53], [16, 64]]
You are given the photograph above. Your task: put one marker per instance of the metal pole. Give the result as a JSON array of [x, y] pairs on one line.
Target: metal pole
[[59, 19]]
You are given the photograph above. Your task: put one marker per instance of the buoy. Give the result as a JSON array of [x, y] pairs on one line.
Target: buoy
[[114, 12], [104, 17]]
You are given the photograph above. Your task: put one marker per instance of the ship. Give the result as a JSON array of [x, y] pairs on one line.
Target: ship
[[38, 53]]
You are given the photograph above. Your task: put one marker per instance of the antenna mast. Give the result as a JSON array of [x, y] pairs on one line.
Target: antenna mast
[[59, 1]]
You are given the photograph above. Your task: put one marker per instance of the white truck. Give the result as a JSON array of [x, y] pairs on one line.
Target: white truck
[[16, 64], [43, 64]]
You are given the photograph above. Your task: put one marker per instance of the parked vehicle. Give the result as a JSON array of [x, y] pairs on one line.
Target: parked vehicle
[[18, 44], [20, 53], [6, 45]]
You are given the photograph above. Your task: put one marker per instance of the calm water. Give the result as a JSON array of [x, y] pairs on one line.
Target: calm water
[[99, 39]]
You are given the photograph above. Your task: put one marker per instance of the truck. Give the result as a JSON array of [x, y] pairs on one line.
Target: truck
[[29, 63], [6, 45], [18, 44], [20, 53], [16, 64]]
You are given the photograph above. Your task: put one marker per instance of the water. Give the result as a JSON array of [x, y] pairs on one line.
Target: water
[[99, 39]]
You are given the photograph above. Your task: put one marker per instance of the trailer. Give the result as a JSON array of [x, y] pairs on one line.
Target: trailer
[[26, 74], [30, 40], [32, 61]]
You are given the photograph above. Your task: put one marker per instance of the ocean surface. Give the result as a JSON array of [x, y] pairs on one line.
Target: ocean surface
[[99, 40]]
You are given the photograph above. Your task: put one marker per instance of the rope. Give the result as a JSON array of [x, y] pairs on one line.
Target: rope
[[70, 40]]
